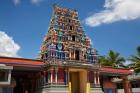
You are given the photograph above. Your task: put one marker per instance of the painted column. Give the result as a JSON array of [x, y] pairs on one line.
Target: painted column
[[88, 83], [44, 77], [70, 54], [56, 71], [74, 55], [98, 78], [48, 76], [95, 77], [69, 82], [70, 90], [126, 84], [66, 76], [51, 71]]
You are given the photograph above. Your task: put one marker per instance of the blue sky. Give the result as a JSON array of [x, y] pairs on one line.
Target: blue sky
[[110, 27]]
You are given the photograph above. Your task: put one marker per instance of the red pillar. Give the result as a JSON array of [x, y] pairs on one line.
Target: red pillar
[[126, 84]]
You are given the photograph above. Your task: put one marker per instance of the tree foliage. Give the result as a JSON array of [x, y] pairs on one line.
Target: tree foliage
[[112, 59], [136, 61]]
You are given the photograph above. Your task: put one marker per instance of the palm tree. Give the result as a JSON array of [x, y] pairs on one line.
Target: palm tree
[[113, 59], [103, 61], [136, 61]]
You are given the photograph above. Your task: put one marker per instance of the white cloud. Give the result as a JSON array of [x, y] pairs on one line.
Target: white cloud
[[127, 62], [36, 2], [8, 47], [16, 2], [115, 10]]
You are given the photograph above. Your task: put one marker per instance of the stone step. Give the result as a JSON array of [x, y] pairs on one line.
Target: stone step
[[53, 90], [96, 90]]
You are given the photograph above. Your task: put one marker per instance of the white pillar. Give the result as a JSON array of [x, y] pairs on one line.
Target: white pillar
[[9, 76], [51, 75], [74, 55], [98, 78], [70, 54], [95, 77], [56, 70]]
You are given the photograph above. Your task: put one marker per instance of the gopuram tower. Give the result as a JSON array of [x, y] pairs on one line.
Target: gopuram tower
[[70, 60]]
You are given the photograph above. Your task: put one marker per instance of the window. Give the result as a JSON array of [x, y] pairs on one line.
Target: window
[[135, 84], [119, 86], [59, 38], [3, 76], [63, 55], [77, 56], [59, 55], [66, 38], [85, 57], [46, 55], [69, 20], [70, 27], [73, 38]]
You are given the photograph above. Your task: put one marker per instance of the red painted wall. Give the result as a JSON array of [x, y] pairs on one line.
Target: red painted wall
[[107, 83], [60, 75]]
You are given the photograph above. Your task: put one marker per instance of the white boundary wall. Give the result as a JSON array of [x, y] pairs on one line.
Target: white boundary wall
[[134, 90]]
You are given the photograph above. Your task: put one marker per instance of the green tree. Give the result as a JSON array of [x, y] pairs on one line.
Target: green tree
[[136, 61], [112, 59]]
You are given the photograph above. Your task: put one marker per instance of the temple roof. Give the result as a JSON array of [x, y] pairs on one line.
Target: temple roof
[[24, 63], [20, 62], [119, 71]]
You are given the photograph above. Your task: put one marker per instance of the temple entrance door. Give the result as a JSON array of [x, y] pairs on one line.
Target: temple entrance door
[[78, 79], [24, 82], [74, 78]]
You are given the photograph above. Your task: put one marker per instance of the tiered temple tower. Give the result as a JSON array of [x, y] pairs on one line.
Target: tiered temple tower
[[69, 56], [66, 39]]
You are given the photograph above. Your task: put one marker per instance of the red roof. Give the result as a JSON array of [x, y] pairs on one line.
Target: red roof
[[115, 70], [22, 62]]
